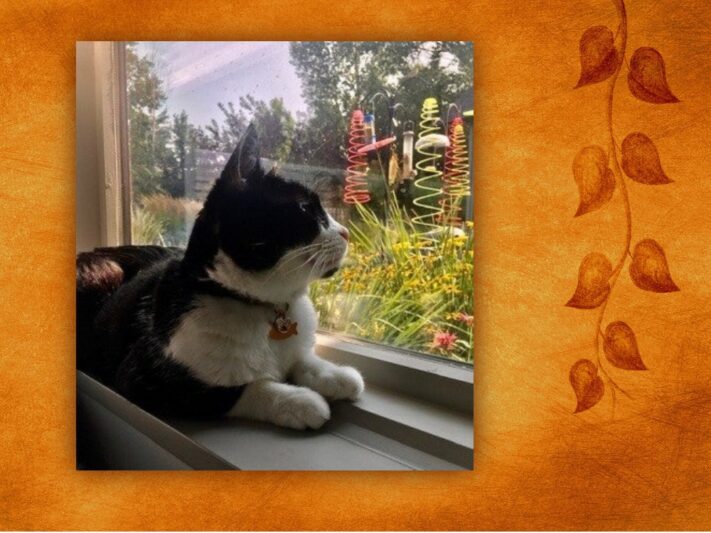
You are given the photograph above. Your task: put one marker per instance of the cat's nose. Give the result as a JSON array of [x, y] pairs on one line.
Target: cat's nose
[[343, 232]]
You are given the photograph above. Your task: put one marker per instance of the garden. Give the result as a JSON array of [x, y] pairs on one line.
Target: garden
[[401, 184]]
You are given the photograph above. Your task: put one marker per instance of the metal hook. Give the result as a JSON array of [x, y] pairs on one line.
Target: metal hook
[[392, 106], [449, 110], [379, 93]]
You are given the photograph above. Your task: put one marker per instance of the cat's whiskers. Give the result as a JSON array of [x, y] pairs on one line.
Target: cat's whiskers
[[331, 251], [304, 263], [316, 266], [298, 251], [301, 252], [294, 254]]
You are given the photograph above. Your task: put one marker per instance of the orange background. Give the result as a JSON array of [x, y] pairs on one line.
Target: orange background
[[645, 465]]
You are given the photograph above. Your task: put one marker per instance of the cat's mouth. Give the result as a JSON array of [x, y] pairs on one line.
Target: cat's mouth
[[330, 263], [330, 272], [331, 267]]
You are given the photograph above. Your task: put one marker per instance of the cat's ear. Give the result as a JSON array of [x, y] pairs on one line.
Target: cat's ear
[[244, 162]]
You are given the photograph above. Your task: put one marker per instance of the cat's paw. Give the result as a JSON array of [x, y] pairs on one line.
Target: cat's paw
[[303, 408], [341, 383]]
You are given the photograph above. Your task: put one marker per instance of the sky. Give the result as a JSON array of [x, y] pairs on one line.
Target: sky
[[198, 75]]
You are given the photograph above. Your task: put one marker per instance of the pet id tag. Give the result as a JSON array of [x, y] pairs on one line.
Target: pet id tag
[[282, 327]]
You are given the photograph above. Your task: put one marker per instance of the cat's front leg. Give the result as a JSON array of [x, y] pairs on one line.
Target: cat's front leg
[[282, 404], [332, 381]]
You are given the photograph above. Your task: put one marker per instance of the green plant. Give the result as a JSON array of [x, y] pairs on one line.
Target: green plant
[[146, 228], [401, 287], [175, 216]]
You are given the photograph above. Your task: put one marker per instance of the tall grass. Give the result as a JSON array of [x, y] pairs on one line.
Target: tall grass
[[174, 217], [403, 287], [146, 228]]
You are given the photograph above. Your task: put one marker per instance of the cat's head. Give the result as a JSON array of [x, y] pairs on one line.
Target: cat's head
[[262, 234]]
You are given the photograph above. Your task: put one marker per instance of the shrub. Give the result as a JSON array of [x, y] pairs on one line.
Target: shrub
[[402, 286], [175, 215], [146, 228]]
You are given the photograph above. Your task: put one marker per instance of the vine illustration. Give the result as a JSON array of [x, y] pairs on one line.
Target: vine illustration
[[597, 172]]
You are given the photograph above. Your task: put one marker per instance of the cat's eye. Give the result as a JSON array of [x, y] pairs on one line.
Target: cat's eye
[[312, 209]]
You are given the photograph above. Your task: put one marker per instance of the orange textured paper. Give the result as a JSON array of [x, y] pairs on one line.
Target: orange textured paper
[[647, 465]]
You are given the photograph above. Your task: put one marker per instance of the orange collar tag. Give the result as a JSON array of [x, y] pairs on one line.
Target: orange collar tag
[[282, 327]]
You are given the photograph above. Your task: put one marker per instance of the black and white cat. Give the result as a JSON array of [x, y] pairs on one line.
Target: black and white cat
[[225, 327]]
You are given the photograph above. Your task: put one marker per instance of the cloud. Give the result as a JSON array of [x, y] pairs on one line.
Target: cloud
[[193, 61]]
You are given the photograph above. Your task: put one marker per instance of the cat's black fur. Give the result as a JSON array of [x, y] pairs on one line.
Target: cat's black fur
[[130, 299]]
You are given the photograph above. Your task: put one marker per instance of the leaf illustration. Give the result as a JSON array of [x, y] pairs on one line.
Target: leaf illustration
[[598, 56], [595, 180], [649, 269], [647, 78], [620, 345], [640, 160], [587, 385], [593, 282]]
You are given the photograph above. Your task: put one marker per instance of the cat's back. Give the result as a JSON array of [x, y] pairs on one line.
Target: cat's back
[[116, 289], [132, 310]]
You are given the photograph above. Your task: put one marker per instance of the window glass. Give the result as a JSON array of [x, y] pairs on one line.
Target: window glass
[[381, 130]]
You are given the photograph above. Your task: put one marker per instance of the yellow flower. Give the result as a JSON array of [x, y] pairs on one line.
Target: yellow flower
[[414, 283], [400, 246], [451, 289], [459, 241]]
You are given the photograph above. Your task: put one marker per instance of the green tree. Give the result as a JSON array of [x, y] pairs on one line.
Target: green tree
[[309, 143], [180, 161], [274, 123], [224, 136], [148, 123], [337, 77]]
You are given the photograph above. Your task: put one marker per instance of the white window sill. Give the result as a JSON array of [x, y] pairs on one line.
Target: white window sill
[[416, 414]]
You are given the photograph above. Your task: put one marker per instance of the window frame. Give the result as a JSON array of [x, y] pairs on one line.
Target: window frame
[[110, 114], [425, 378]]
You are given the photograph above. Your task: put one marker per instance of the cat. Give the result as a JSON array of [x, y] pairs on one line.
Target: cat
[[226, 326]]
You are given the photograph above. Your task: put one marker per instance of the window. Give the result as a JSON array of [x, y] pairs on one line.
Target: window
[[408, 280]]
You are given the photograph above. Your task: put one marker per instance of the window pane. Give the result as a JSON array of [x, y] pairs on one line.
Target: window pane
[[406, 199]]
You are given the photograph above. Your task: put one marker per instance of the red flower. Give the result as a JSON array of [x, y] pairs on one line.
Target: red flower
[[467, 319], [444, 340]]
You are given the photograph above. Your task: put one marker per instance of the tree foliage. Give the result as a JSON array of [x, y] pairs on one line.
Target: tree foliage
[[336, 77], [149, 124], [275, 126], [181, 160]]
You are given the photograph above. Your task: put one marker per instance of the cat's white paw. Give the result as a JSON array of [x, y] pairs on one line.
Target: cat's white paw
[[303, 408], [341, 383]]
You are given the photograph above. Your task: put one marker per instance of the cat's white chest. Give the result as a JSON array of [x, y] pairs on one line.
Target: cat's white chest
[[228, 343]]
